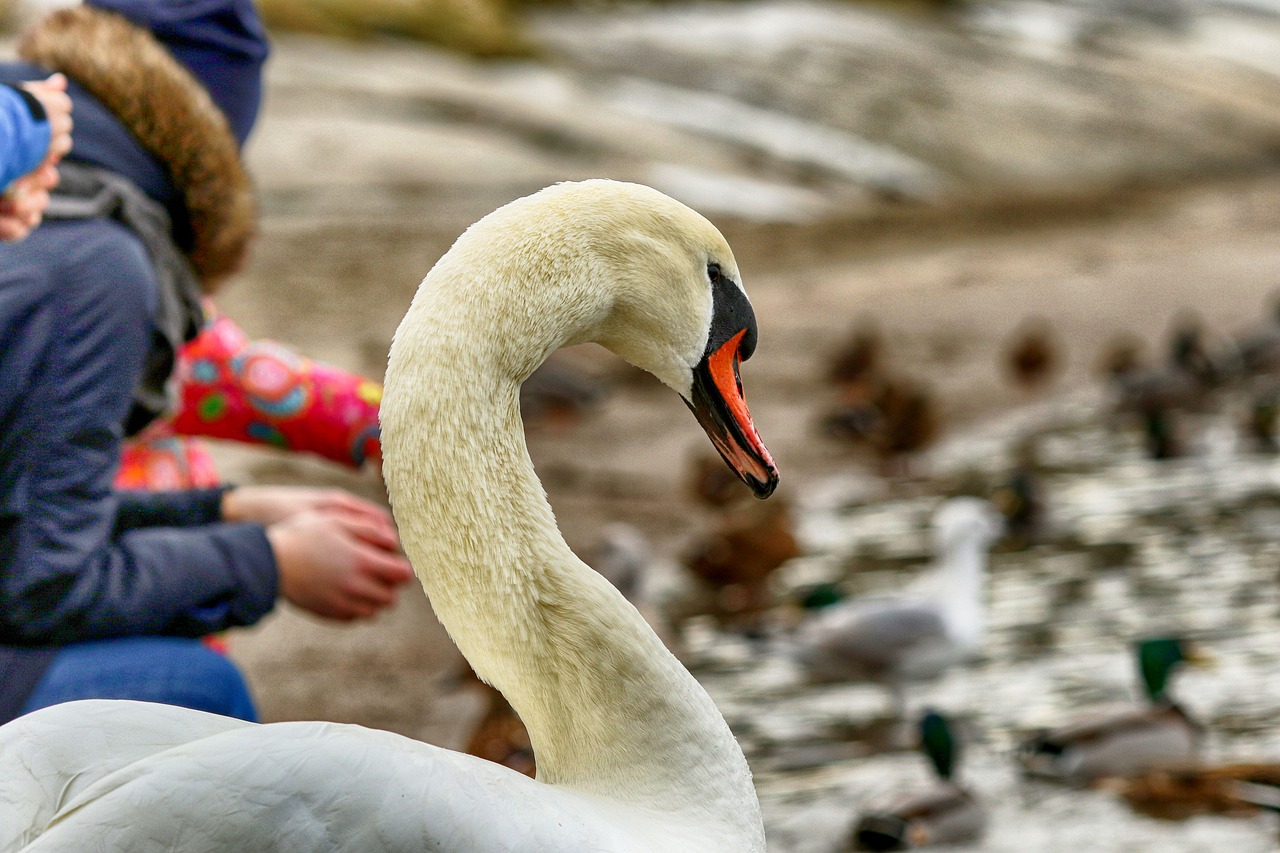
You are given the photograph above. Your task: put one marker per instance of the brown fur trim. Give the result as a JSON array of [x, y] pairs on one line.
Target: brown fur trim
[[172, 116]]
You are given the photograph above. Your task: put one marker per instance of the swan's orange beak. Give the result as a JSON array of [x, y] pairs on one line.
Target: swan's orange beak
[[717, 402]]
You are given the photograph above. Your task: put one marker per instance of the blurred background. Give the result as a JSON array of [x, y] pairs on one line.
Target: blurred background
[[1025, 251]]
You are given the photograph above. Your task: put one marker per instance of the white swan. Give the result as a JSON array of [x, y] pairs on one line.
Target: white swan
[[632, 755]]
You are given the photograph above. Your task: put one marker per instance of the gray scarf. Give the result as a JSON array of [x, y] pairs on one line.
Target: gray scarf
[[87, 192]]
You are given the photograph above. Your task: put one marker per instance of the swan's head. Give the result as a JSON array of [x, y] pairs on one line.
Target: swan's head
[[676, 309], [715, 393], [616, 263]]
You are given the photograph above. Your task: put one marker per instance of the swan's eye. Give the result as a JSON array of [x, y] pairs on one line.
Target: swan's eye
[[713, 274]]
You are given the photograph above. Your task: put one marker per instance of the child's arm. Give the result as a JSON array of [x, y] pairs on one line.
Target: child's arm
[[264, 393]]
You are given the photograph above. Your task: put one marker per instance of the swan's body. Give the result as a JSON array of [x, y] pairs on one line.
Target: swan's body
[[632, 754], [922, 633]]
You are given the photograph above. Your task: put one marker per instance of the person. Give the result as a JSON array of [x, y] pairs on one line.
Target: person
[[35, 132], [255, 392], [106, 592]]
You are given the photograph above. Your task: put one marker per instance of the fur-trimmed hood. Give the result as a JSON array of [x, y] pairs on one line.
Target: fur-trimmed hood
[[170, 114]]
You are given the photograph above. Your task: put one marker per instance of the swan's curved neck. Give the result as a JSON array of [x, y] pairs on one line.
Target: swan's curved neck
[[609, 710]]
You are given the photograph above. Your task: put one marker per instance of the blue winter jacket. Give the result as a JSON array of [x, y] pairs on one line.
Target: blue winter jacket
[[79, 560]]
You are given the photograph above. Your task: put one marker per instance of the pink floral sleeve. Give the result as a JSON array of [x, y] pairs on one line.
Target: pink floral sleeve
[[258, 392], [262, 392]]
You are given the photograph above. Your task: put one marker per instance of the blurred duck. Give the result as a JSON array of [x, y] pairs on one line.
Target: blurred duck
[[935, 624], [560, 392], [860, 357], [1185, 382], [1121, 357], [1258, 350], [739, 554], [498, 735], [1189, 352], [1020, 499], [1126, 742], [1158, 395], [713, 484], [1257, 359], [625, 557], [909, 419], [1180, 792], [1159, 429], [889, 415], [1032, 356], [945, 814], [892, 417], [1260, 423]]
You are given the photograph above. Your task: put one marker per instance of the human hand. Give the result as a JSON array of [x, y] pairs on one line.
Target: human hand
[[52, 95], [337, 565], [23, 204], [270, 504]]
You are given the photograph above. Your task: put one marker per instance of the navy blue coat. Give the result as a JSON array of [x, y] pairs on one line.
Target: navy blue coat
[[79, 560]]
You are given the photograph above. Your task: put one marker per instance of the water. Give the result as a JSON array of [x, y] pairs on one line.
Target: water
[[1132, 547]]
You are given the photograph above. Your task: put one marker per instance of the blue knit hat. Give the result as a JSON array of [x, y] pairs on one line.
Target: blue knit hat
[[221, 42]]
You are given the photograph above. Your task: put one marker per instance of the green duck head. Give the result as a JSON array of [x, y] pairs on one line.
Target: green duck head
[[1157, 658], [939, 744], [821, 595]]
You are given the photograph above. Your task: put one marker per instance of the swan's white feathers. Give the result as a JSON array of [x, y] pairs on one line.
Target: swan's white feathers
[[615, 263], [321, 786], [49, 760], [643, 255], [633, 756]]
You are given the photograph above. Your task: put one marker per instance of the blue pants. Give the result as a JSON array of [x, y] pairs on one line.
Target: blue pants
[[170, 670]]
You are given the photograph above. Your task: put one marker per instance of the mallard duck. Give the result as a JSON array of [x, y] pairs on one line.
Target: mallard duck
[[1263, 415], [1125, 742], [910, 419], [1158, 396], [1186, 381], [1160, 433], [934, 625], [945, 814], [1188, 350]]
